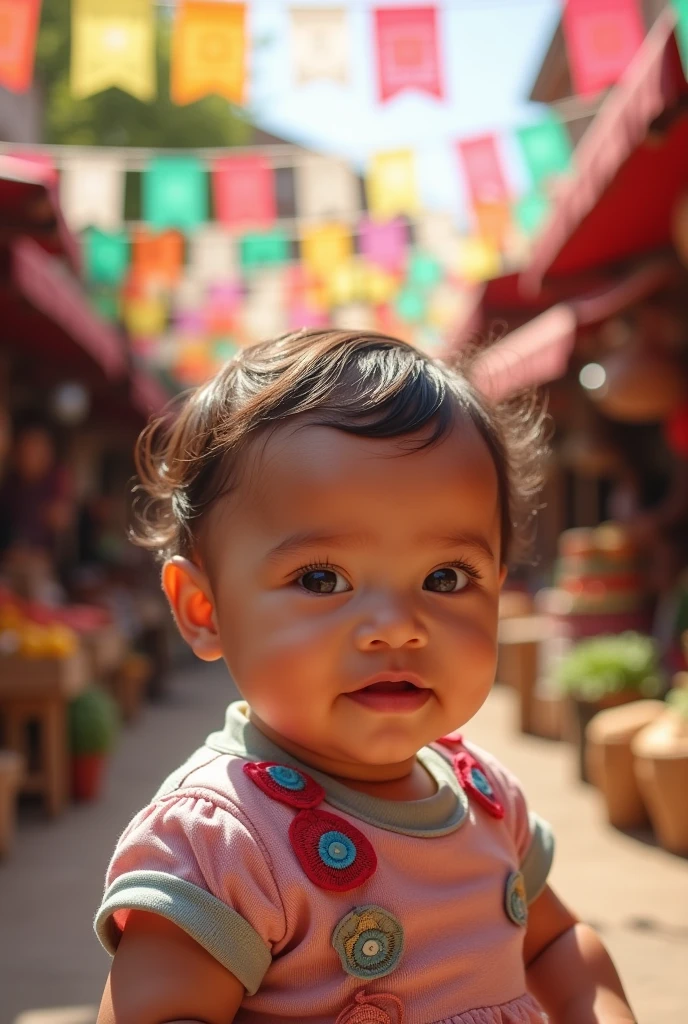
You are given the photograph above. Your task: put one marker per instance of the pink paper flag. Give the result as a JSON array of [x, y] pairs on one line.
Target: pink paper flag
[[407, 50], [483, 170], [244, 190], [384, 243], [602, 36]]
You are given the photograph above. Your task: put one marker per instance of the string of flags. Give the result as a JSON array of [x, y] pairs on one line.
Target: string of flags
[[222, 255], [113, 44]]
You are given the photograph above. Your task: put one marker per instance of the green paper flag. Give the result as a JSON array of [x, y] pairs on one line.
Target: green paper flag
[[425, 271], [410, 305], [263, 250], [106, 303], [681, 10], [546, 149], [106, 256], [531, 211], [175, 193]]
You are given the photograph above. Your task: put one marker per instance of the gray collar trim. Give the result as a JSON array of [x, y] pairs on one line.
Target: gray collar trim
[[436, 815]]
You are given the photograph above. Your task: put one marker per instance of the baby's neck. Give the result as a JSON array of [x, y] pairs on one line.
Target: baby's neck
[[407, 780]]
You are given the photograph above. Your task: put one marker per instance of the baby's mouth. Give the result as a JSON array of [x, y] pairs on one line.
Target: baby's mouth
[[391, 695]]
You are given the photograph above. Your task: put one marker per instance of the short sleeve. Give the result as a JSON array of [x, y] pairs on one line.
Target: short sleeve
[[196, 860], [532, 835]]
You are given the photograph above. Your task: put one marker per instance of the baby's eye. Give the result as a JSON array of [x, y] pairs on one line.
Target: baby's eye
[[323, 581], [446, 580]]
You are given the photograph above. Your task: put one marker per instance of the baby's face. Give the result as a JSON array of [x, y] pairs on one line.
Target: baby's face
[[356, 588]]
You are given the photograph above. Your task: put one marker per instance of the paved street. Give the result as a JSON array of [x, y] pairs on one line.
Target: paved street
[[634, 893]]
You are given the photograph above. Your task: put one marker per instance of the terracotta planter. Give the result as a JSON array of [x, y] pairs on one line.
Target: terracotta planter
[[87, 775], [661, 764], [579, 713], [609, 760]]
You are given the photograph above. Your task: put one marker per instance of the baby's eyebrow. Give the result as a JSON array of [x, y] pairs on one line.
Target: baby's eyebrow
[[461, 539], [313, 538]]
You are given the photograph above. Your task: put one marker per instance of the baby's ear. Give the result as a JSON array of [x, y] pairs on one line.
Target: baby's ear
[[189, 594]]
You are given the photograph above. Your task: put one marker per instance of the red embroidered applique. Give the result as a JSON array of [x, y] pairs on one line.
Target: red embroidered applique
[[288, 785], [331, 851], [474, 780], [451, 740]]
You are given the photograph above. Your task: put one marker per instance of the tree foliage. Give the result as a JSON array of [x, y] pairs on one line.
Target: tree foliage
[[113, 117]]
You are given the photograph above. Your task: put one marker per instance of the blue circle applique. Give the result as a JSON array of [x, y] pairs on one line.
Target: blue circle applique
[[289, 778], [481, 782], [336, 850], [515, 899], [369, 941]]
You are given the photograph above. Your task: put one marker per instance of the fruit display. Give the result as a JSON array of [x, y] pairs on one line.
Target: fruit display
[[33, 631]]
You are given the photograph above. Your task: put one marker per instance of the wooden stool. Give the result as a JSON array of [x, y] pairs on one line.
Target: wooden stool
[[39, 691], [10, 774], [519, 642]]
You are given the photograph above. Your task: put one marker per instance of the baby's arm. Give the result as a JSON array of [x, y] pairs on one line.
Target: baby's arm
[[569, 970], [160, 975]]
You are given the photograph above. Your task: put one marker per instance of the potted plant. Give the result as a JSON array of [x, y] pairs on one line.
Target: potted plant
[[660, 754], [93, 724], [604, 672]]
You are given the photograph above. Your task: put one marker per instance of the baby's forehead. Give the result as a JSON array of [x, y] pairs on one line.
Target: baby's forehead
[[314, 471]]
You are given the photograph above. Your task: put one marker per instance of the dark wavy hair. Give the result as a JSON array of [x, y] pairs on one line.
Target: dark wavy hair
[[360, 382]]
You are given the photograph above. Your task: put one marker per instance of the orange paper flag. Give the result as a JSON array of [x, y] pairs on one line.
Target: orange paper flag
[[209, 51], [157, 259], [18, 28]]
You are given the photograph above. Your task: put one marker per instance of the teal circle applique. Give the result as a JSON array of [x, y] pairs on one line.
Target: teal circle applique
[[515, 899], [481, 782], [369, 941], [336, 850], [289, 778]]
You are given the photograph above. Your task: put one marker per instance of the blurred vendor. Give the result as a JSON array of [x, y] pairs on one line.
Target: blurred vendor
[[36, 502]]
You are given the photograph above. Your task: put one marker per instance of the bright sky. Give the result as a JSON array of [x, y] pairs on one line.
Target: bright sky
[[491, 50]]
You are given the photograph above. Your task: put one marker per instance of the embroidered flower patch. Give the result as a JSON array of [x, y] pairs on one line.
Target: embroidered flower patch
[[369, 941]]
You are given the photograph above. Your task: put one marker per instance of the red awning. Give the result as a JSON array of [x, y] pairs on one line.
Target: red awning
[[619, 200], [29, 205], [539, 352], [50, 288], [533, 354]]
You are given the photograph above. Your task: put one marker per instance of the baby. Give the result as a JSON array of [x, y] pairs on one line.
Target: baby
[[334, 510]]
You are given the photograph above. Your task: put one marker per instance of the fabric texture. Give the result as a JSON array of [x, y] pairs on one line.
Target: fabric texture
[[447, 903]]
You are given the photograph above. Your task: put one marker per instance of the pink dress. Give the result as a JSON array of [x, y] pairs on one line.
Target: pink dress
[[330, 905]]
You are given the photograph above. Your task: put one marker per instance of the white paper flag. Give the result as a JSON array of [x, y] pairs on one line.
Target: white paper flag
[[212, 255], [320, 44], [437, 235], [92, 192], [326, 188]]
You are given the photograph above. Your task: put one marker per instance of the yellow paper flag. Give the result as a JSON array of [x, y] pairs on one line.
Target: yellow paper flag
[[479, 260], [391, 185], [325, 247], [209, 51], [113, 44]]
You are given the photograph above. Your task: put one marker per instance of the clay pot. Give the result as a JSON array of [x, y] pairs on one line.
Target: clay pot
[[577, 716], [609, 761], [87, 772], [642, 384], [660, 754]]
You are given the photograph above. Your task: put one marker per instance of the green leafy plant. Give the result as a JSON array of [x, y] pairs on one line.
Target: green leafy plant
[[605, 665], [678, 700], [93, 721]]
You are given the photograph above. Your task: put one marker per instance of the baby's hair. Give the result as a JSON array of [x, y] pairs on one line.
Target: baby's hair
[[359, 382]]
